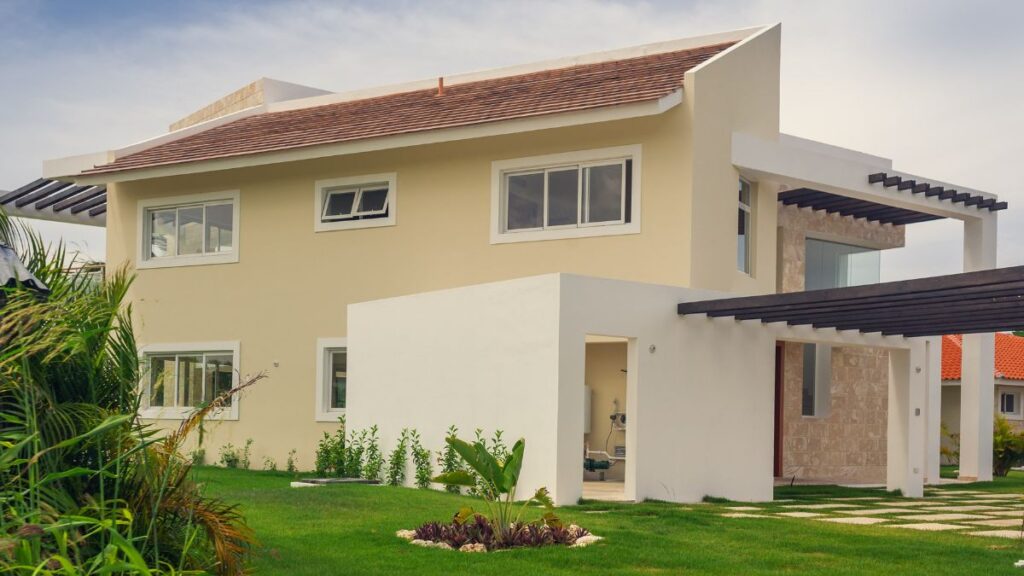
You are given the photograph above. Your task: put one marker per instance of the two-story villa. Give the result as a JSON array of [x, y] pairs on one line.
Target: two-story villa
[[507, 250]]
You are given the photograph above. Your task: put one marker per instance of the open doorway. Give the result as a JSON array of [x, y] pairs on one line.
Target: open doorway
[[604, 418]]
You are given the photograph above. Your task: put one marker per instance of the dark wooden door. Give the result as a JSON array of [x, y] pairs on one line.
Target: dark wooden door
[[779, 349]]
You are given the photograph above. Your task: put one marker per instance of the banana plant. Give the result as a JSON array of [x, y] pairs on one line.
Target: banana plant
[[500, 479]]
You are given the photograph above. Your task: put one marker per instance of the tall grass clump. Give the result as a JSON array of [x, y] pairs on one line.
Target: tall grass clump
[[85, 486]]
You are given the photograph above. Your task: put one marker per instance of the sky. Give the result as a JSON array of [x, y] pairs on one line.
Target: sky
[[936, 85]]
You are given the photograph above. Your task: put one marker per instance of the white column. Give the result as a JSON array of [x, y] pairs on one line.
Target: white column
[[933, 408], [977, 387], [905, 466]]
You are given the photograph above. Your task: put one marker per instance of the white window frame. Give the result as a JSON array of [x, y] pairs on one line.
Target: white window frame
[[324, 412], [322, 188], [582, 159], [143, 259], [748, 265], [146, 411], [1016, 403]]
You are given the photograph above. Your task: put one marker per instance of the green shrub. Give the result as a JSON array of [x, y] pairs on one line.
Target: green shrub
[[84, 482], [374, 459], [397, 460], [244, 459], [269, 464], [354, 454], [448, 460], [1007, 447], [292, 466], [324, 459], [421, 460], [949, 450], [229, 457], [197, 456]]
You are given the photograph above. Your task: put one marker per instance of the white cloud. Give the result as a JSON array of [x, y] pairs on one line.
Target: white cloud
[[931, 84]]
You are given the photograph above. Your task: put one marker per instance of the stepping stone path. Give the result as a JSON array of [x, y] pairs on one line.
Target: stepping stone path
[[967, 512]]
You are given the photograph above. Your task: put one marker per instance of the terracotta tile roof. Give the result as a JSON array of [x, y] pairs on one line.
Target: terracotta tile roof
[[1009, 356], [581, 87]]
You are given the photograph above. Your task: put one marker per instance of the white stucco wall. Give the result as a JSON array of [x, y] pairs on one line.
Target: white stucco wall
[[511, 355]]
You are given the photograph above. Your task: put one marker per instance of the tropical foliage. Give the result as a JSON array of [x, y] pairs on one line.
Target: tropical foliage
[[85, 486], [1007, 447], [500, 478]]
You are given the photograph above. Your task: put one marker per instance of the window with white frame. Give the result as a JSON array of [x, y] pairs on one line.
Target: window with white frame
[[199, 229], [587, 193], [180, 379], [332, 378], [743, 228], [355, 202], [1009, 403]]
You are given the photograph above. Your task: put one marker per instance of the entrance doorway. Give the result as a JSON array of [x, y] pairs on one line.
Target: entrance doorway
[[604, 418]]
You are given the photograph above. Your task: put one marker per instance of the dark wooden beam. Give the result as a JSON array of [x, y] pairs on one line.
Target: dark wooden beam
[[947, 194], [961, 197], [974, 200], [986, 203], [40, 193], [922, 187], [998, 206], [83, 197], [907, 185], [22, 190], [892, 181], [60, 196], [933, 191], [877, 177]]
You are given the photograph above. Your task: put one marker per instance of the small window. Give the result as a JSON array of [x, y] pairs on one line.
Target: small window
[[571, 196], [332, 379], [177, 383], [357, 202], [1008, 404], [743, 228], [199, 229]]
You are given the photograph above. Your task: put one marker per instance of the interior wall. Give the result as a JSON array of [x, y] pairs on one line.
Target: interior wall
[[606, 378]]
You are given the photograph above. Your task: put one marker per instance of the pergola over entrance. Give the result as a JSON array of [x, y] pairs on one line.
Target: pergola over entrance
[[906, 316], [968, 303]]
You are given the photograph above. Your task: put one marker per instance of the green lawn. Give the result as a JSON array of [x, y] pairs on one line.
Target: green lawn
[[349, 529]]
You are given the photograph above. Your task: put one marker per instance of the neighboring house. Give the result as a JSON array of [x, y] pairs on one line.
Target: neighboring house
[[1008, 374], [507, 250]]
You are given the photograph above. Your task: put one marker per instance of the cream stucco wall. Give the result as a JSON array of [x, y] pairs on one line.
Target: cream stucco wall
[[291, 285]]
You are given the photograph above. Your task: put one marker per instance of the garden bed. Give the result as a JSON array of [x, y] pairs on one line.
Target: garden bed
[[477, 535]]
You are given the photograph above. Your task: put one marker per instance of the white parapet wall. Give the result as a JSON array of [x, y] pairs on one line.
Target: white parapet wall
[[511, 356]]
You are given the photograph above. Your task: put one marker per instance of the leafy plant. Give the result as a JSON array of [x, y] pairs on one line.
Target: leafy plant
[[269, 464], [86, 486], [421, 461], [354, 454], [1007, 447], [292, 465], [374, 459], [397, 460], [324, 459], [500, 479], [197, 456], [229, 457], [244, 460], [448, 460]]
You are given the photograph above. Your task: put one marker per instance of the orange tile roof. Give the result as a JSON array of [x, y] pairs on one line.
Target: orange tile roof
[[1009, 356], [574, 88]]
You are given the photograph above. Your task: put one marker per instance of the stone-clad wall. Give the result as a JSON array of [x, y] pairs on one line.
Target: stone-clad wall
[[849, 444]]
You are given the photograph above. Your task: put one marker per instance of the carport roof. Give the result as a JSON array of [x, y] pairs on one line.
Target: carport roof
[[972, 302]]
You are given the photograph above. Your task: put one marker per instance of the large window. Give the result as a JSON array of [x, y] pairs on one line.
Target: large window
[[568, 196], [180, 378], [830, 265], [743, 228], [571, 195], [332, 378], [186, 230], [355, 202]]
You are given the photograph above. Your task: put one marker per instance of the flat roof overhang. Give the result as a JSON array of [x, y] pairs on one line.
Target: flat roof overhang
[[967, 303]]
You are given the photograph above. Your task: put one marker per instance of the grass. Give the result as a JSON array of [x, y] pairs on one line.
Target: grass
[[350, 529]]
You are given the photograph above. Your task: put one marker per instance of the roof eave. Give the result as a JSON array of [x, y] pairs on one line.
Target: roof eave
[[453, 134]]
